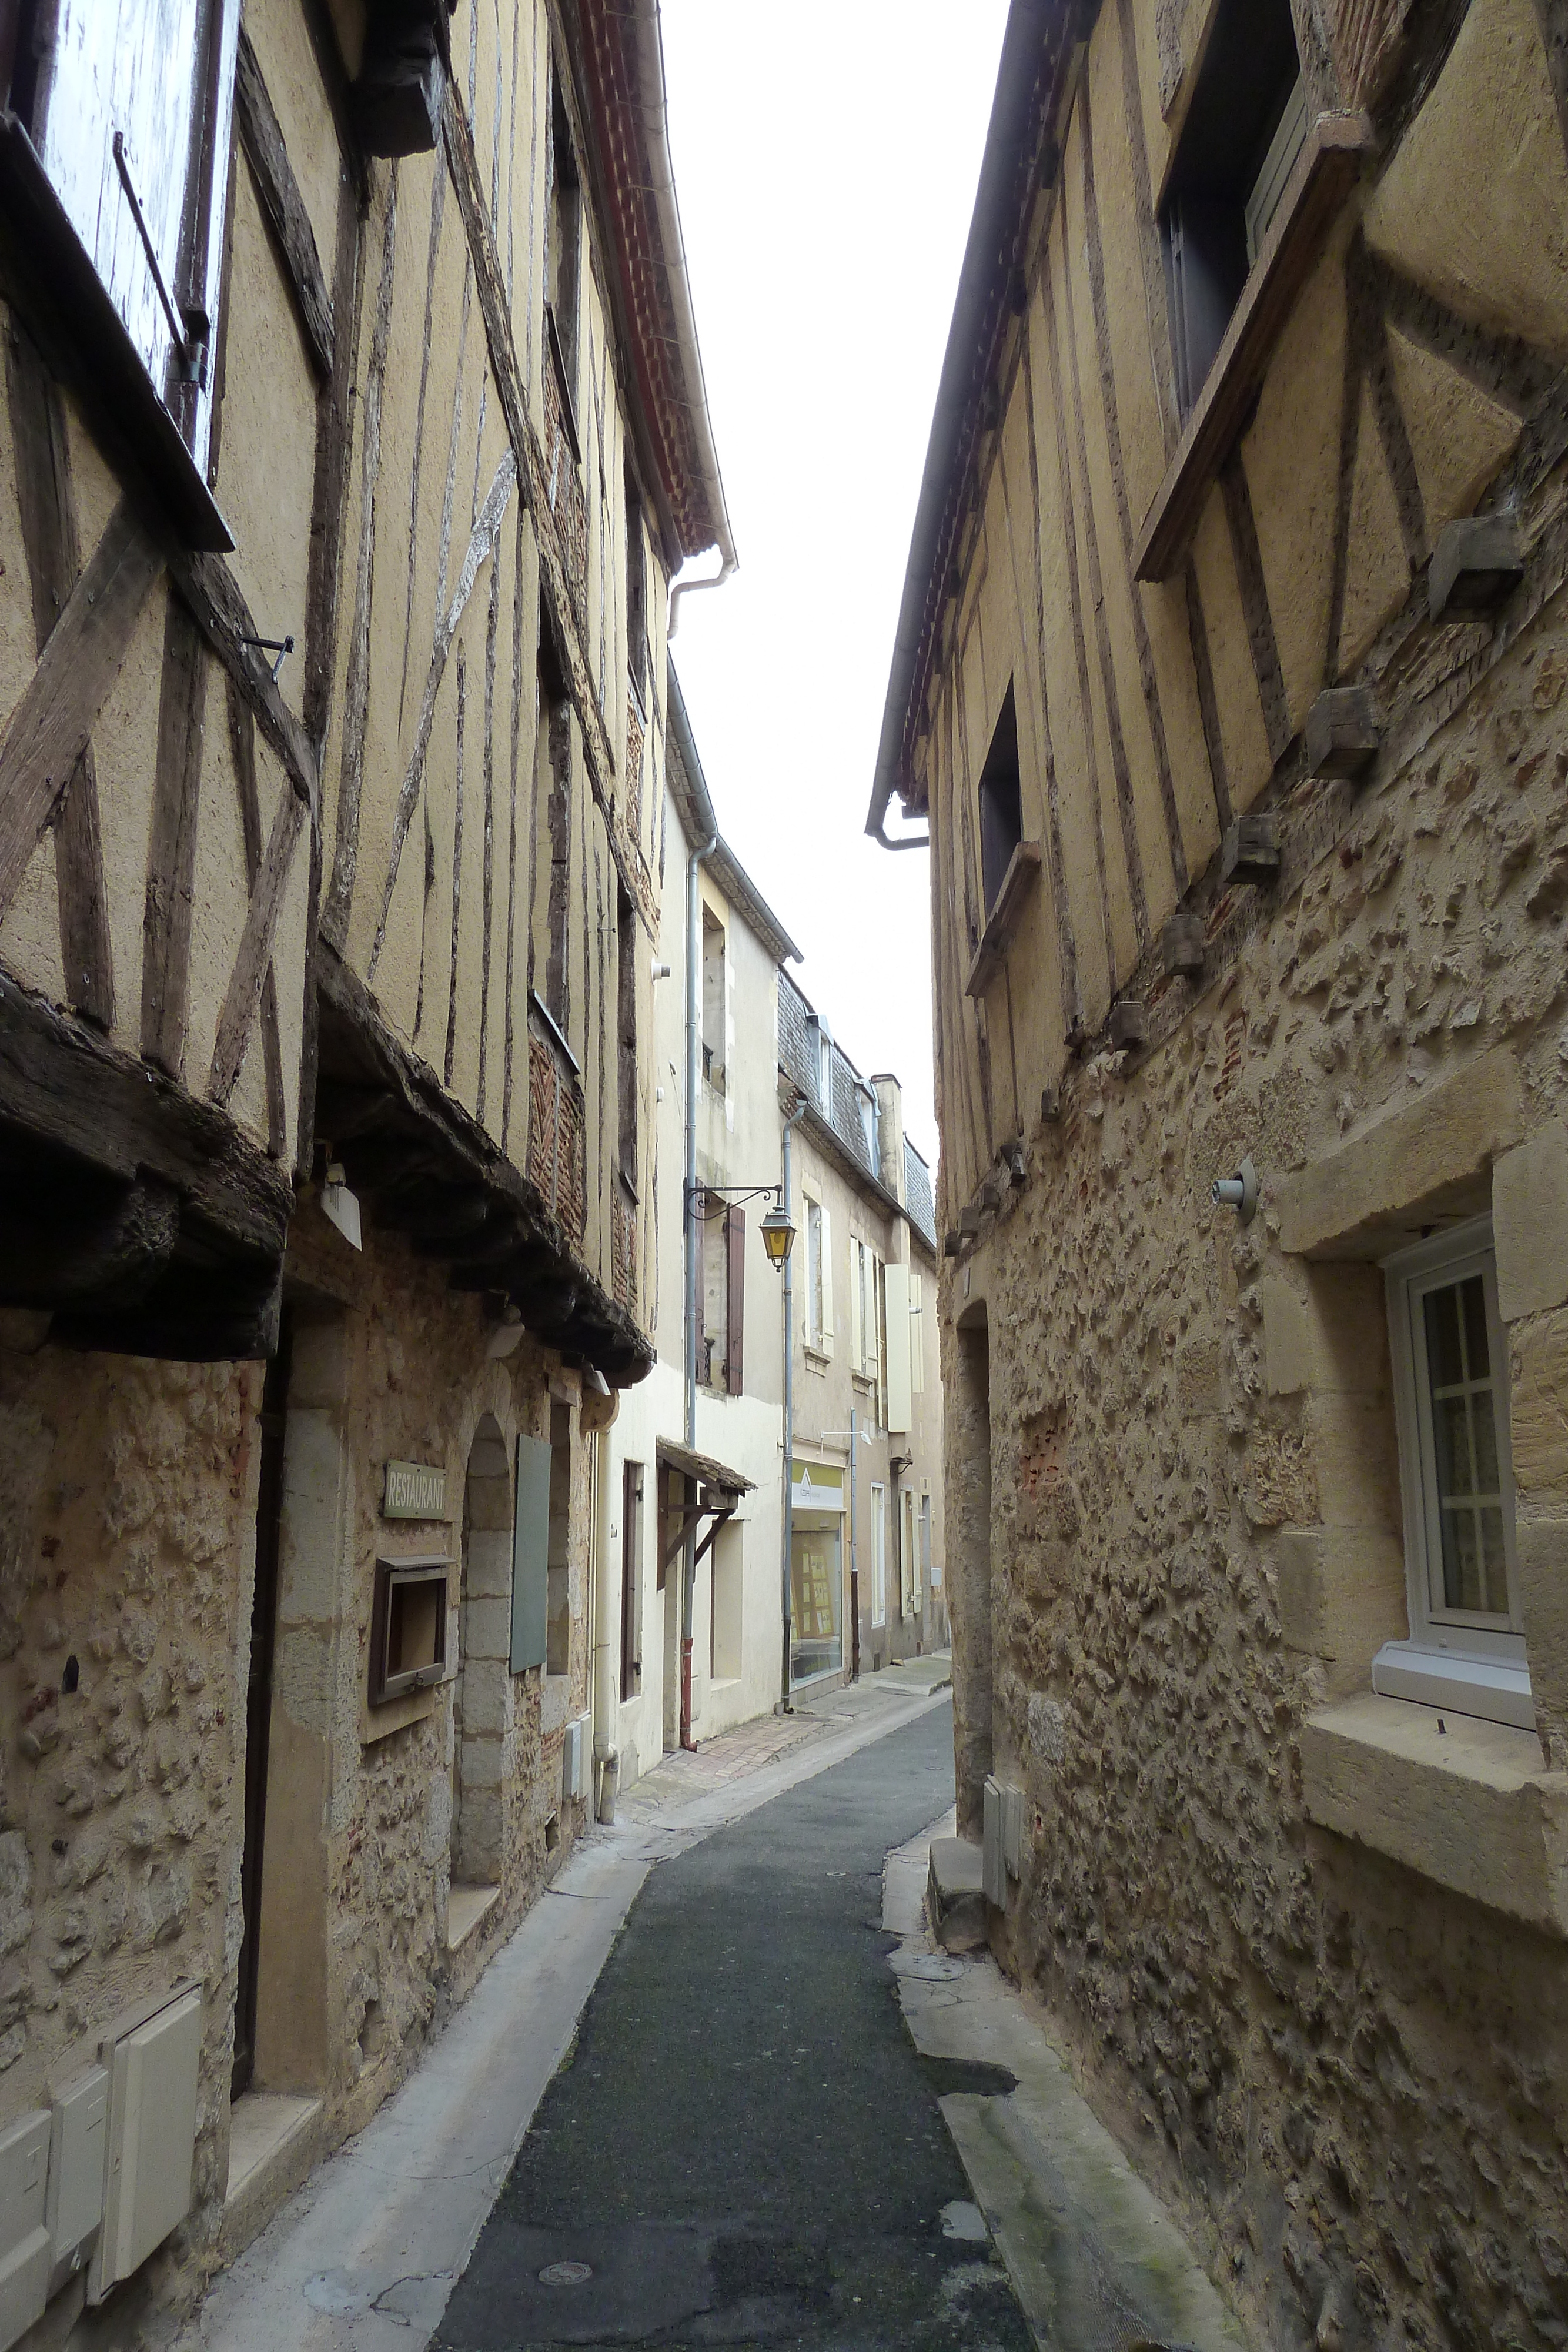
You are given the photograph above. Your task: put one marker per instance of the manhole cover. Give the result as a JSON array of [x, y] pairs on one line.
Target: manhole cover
[[565, 2273]]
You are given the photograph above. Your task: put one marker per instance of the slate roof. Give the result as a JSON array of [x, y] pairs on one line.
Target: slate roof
[[838, 1105]]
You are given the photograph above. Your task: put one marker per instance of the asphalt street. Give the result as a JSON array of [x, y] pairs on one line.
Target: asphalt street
[[743, 2147]]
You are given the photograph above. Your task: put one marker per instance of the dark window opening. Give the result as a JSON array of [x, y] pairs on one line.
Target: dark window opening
[[636, 593], [563, 236], [1243, 132], [631, 1578], [626, 1031], [1001, 802], [552, 886]]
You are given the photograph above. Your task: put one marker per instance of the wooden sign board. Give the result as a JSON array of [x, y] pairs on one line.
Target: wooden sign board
[[413, 1490]]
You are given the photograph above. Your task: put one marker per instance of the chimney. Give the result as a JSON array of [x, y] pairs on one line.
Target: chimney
[[890, 1134]]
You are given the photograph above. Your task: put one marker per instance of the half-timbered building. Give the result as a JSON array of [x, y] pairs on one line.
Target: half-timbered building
[[353, 430], [1230, 681]]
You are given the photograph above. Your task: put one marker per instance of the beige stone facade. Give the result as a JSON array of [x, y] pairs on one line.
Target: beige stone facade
[[868, 1536], [1233, 692], [333, 596]]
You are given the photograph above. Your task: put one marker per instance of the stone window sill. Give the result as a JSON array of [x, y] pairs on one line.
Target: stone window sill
[[1472, 1808], [1493, 1688], [466, 1906], [819, 1359], [1325, 172]]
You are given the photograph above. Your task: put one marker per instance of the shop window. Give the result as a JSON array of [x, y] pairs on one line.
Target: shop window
[[129, 104], [1001, 802], [408, 1627], [1450, 1369], [1244, 130], [816, 1570]]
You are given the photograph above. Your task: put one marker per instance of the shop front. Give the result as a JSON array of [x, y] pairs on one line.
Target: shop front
[[816, 1571]]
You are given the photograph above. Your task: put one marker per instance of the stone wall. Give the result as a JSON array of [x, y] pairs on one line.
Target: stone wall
[[128, 1494], [1353, 2079]]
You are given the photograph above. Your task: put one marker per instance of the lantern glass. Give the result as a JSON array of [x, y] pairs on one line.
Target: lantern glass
[[778, 1235]]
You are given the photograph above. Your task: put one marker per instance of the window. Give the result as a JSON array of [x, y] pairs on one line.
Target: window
[[865, 1313], [879, 1555], [868, 1108], [636, 596], [930, 1570], [908, 1568], [721, 1346], [1450, 1366], [1001, 802], [1243, 132], [563, 236], [916, 1333], [626, 1032], [553, 889], [129, 103], [822, 1063], [713, 1001], [819, 1278]]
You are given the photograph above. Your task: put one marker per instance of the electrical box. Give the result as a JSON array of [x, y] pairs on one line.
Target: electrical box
[[151, 2136], [574, 1758], [23, 2237], [77, 2151], [1001, 1851]]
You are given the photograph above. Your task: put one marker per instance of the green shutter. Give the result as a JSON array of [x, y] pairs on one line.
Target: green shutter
[[530, 1555]]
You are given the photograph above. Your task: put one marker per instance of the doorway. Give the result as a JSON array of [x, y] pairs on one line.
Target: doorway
[[484, 1665], [258, 1698], [631, 1579]]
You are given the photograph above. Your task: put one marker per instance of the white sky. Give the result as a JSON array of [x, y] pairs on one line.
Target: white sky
[[826, 156]]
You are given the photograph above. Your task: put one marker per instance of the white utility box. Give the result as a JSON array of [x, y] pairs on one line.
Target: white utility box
[[151, 2135], [24, 2236], [574, 1754], [77, 2151], [1001, 1852]]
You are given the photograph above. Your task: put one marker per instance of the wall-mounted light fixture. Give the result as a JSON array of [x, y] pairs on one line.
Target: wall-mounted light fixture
[[339, 1206], [660, 970], [1238, 1191]]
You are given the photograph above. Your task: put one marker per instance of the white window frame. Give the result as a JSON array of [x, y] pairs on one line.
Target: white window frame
[[878, 1554], [1471, 1661], [819, 1292]]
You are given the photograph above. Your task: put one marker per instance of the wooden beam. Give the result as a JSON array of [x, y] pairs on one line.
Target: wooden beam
[[52, 725], [253, 961], [63, 1086], [172, 848], [242, 743], [218, 606], [45, 496], [189, 1317], [62, 1249], [283, 205]]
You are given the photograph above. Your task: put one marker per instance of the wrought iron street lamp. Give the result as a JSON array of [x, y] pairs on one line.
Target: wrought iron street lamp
[[777, 1235]]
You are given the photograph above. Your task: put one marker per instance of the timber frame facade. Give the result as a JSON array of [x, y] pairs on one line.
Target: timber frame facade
[[1229, 681], [354, 430]]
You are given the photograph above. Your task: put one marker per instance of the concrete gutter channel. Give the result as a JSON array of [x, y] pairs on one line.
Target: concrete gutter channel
[[364, 2256], [1095, 2260]]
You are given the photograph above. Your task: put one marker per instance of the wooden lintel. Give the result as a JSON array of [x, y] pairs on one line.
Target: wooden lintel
[[64, 1249]]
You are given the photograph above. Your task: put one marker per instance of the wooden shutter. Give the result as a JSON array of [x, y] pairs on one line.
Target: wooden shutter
[[899, 1411], [916, 1333], [734, 1298], [531, 1556]]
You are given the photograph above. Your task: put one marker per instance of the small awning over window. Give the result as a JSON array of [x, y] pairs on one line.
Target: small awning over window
[[718, 1491]]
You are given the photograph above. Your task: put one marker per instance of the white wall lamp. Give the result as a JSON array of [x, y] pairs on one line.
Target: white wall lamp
[[339, 1206], [660, 970], [1238, 1191]]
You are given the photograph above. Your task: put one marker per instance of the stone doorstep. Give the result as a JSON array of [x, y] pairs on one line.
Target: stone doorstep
[[955, 1897], [465, 1908], [274, 2141], [1086, 2242]]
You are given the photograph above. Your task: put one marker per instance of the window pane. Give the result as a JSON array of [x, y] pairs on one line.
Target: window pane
[[1476, 1352], [1494, 1562], [1444, 1354], [1451, 1443], [1483, 1427], [1462, 1578]]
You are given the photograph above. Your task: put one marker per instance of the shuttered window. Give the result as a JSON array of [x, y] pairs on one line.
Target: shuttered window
[[131, 111], [734, 1306]]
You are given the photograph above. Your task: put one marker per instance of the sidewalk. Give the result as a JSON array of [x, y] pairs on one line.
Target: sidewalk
[[1093, 2256], [364, 2256]]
